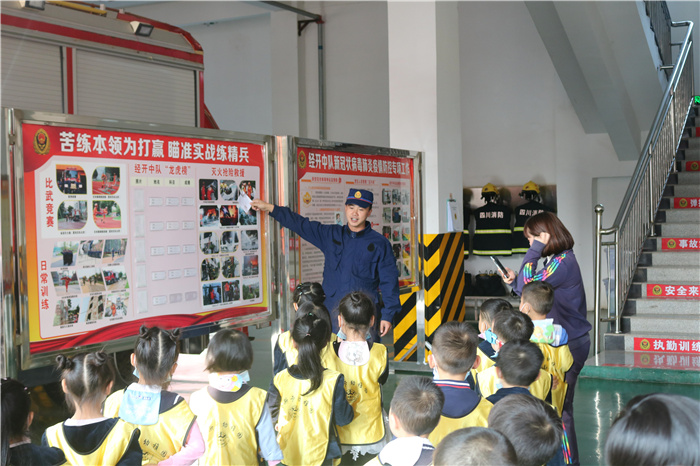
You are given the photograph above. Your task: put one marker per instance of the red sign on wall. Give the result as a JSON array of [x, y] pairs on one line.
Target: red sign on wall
[[673, 291], [677, 244], [667, 345], [686, 202]]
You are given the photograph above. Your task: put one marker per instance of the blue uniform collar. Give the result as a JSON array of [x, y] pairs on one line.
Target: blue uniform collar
[[355, 234]]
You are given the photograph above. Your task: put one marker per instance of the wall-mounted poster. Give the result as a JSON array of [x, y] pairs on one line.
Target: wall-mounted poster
[[125, 228], [324, 178]]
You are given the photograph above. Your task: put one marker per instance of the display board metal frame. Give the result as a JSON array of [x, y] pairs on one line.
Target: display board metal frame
[[289, 252], [15, 242]]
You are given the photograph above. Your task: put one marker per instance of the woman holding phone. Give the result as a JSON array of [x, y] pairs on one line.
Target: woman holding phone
[[549, 239]]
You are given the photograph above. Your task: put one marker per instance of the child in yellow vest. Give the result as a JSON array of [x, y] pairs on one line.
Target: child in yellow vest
[[307, 401], [169, 432], [518, 367], [17, 417], [365, 366], [308, 298], [487, 313], [414, 413], [453, 355], [88, 438], [232, 414], [511, 325], [536, 302]]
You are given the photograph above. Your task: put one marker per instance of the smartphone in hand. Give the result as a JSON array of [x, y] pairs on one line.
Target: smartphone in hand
[[500, 266]]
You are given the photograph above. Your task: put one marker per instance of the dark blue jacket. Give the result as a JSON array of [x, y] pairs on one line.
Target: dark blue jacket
[[360, 261]]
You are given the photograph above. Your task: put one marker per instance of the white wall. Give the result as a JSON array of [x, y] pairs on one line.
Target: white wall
[[519, 125]]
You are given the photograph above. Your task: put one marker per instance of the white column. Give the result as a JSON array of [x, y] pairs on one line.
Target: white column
[[285, 72], [424, 97]]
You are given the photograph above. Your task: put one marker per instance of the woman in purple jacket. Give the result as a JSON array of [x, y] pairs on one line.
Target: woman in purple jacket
[[549, 239]]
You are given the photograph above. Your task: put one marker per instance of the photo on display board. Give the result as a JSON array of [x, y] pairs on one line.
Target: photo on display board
[[68, 311], [211, 293], [338, 218], [115, 278], [386, 196], [250, 265], [248, 218], [249, 240], [396, 234], [117, 304], [386, 231], [231, 267], [106, 214], [208, 190], [229, 241], [231, 291], [96, 307], [405, 197], [210, 269], [90, 252], [387, 215], [396, 249], [72, 215], [406, 236], [208, 216], [406, 251], [396, 215], [228, 190], [209, 242], [251, 289], [105, 181], [65, 282], [404, 215], [65, 254], [114, 251], [396, 196], [71, 179], [248, 187], [91, 280], [228, 215]]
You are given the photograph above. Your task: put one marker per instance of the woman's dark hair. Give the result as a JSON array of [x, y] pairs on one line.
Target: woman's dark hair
[[156, 353], [656, 430], [317, 310], [311, 335], [229, 351], [560, 240], [309, 292], [16, 405], [357, 310], [87, 377]]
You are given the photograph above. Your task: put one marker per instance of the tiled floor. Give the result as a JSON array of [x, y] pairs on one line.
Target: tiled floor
[[596, 403]]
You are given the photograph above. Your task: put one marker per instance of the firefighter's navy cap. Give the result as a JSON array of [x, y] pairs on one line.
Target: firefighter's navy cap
[[360, 197]]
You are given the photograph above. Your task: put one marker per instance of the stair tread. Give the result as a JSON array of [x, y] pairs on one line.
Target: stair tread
[[665, 316], [643, 334]]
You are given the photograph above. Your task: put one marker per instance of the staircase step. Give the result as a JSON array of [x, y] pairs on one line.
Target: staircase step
[[664, 291], [671, 368], [668, 274], [677, 244], [681, 214], [691, 153], [677, 230], [667, 323], [688, 177], [692, 143], [691, 165], [686, 257], [643, 306], [685, 190], [657, 342]]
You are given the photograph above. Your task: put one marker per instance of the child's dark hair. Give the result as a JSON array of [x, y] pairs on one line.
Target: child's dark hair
[[317, 310], [87, 377], [16, 405], [454, 347], [491, 307], [311, 335], [531, 425], [309, 292], [229, 351], [156, 353], [511, 324], [520, 362], [655, 429], [475, 446], [539, 295], [417, 404], [357, 310]]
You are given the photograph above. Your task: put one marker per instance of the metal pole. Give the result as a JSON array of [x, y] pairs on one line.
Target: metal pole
[[321, 84], [617, 282], [599, 209], [652, 200]]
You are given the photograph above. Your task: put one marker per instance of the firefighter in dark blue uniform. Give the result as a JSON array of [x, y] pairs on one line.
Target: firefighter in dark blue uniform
[[357, 258]]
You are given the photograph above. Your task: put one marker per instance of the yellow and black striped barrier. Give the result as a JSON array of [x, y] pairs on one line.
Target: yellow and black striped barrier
[[441, 258]]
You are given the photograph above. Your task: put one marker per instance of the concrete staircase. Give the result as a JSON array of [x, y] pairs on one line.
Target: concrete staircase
[[661, 318]]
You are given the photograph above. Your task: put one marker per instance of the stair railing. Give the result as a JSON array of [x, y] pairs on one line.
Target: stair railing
[[635, 219]]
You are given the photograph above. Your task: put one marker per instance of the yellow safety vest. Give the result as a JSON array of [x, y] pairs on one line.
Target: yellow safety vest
[[286, 344], [478, 417], [484, 363], [165, 438], [304, 421], [487, 380], [365, 396], [110, 451], [557, 361], [229, 428]]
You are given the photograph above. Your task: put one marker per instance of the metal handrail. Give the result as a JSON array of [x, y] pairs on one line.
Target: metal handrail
[[634, 222]]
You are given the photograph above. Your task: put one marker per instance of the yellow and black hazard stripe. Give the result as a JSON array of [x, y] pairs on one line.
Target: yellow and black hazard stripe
[[405, 331]]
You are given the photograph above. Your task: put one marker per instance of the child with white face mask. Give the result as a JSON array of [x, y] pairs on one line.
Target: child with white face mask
[[230, 401]]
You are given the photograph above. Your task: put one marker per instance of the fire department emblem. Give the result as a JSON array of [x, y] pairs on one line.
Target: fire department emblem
[[301, 159], [307, 198], [694, 166], [644, 344], [656, 290], [357, 195], [41, 142], [671, 244], [683, 202]]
